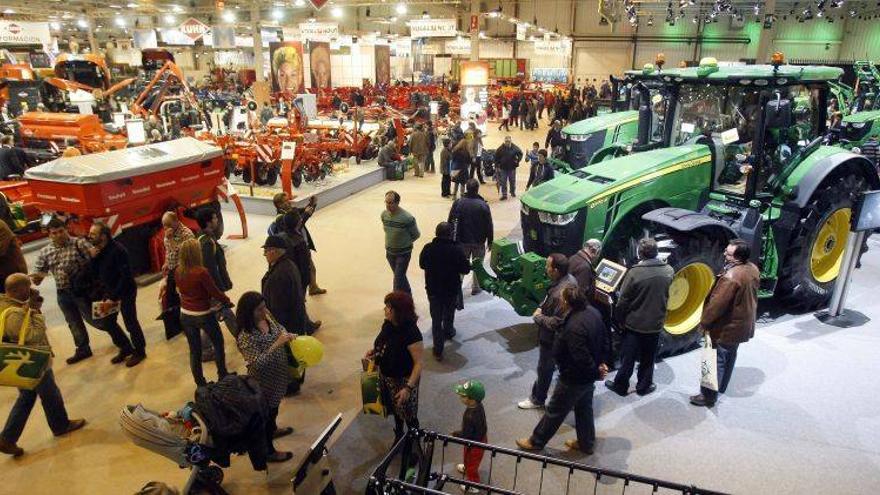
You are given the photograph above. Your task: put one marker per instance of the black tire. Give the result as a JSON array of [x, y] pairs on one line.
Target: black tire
[[261, 170], [272, 174], [798, 287], [230, 167], [297, 177], [330, 489], [246, 174], [695, 258]]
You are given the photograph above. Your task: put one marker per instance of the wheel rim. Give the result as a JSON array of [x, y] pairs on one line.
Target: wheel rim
[[688, 290], [827, 252]]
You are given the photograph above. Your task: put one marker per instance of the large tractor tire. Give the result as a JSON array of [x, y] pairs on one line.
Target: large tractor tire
[[246, 174], [272, 173], [695, 259], [297, 177], [815, 253]]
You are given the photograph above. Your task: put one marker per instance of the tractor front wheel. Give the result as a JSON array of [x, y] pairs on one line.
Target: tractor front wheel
[[815, 255], [272, 173], [246, 174], [297, 177]]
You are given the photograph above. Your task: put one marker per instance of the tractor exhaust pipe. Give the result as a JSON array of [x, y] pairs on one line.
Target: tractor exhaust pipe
[[645, 116]]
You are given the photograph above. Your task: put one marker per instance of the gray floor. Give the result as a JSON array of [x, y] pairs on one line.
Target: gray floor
[[801, 414]]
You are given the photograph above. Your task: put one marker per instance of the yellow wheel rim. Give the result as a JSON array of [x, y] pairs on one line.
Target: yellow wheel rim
[[827, 252], [688, 290]]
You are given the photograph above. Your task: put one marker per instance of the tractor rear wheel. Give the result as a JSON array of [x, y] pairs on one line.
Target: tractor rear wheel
[[272, 173], [695, 259], [246, 174], [297, 177], [815, 252]]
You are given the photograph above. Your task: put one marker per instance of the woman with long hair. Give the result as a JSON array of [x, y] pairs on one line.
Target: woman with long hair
[[261, 341], [398, 352], [197, 289]]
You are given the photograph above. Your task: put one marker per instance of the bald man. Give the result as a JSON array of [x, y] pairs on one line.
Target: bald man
[[19, 299]]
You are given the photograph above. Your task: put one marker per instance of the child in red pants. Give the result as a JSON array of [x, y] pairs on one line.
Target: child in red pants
[[473, 427]]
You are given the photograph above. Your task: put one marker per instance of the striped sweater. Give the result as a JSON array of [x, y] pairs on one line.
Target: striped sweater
[[400, 231]]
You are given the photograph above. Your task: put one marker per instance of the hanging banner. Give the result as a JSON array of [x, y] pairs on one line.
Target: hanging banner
[[193, 28], [521, 31], [24, 33], [552, 47], [287, 66], [222, 37], [383, 64], [318, 31], [458, 46], [432, 28], [145, 38], [474, 78], [319, 60], [173, 36], [475, 23]]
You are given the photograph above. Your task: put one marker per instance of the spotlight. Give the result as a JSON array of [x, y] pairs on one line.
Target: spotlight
[[119, 21], [425, 14], [228, 16], [336, 12], [170, 19], [55, 25], [650, 21], [277, 14], [299, 3], [84, 24], [400, 9]]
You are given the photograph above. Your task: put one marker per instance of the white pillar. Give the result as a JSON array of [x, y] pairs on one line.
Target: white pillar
[[475, 35], [258, 41], [90, 32]]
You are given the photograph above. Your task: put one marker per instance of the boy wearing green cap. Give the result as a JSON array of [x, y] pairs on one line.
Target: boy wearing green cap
[[473, 427]]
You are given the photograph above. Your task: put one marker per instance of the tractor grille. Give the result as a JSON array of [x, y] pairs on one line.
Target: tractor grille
[[544, 238]]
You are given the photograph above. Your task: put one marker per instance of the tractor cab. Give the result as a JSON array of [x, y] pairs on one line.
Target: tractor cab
[[89, 70]]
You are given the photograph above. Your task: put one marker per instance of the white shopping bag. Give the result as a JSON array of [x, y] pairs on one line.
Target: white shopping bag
[[709, 365]]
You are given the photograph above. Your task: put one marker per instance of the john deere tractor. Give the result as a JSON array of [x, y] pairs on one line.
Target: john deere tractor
[[743, 161], [611, 134]]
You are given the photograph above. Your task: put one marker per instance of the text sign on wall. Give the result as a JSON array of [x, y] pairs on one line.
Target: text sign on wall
[[458, 46], [432, 28], [24, 33], [521, 31], [193, 28], [552, 47], [318, 31]]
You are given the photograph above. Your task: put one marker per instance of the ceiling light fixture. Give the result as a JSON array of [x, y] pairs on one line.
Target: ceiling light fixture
[[119, 21], [400, 9], [336, 12], [170, 19], [55, 25], [84, 24], [228, 16], [277, 14], [299, 3]]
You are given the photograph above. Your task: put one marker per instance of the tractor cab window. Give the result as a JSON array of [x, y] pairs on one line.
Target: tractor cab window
[[658, 99], [728, 115]]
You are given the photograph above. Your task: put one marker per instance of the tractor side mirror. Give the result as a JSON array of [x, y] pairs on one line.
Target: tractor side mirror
[[778, 114]]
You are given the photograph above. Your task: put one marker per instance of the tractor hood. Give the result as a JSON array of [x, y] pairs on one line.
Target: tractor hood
[[862, 117], [600, 123], [570, 192]]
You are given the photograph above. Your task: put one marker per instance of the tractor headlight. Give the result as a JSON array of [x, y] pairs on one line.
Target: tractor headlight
[[524, 209], [857, 125], [554, 219]]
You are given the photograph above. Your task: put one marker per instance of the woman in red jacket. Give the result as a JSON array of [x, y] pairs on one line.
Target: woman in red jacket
[[197, 290]]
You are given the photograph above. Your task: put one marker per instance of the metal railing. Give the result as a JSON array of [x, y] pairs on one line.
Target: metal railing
[[416, 474]]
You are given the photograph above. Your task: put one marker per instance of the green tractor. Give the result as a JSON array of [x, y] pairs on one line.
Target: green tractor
[[743, 160], [610, 134]]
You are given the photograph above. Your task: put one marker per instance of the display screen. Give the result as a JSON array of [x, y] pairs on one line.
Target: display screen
[[869, 212], [609, 274]]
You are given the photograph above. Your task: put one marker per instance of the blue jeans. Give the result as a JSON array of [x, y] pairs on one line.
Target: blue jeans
[[399, 264], [546, 367], [507, 177], [53, 406], [192, 325], [726, 360], [70, 309], [568, 396], [442, 319]]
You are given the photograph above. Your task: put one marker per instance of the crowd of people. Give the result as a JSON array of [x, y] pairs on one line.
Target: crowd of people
[[94, 284]]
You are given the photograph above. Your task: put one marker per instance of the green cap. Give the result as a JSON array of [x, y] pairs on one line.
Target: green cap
[[472, 389]]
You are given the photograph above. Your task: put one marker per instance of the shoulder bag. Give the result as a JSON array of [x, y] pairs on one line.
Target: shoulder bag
[[23, 366]]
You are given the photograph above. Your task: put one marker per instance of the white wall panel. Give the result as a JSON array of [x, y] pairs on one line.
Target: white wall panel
[[593, 60]]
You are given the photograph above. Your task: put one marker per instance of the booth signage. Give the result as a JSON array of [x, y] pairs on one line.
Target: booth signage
[[318, 31], [432, 28], [194, 28], [458, 46], [475, 23], [552, 47], [521, 30], [24, 33]]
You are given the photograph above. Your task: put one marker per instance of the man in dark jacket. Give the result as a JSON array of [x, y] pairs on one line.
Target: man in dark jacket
[[214, 260], [507, 158], [282, 287], [283, 203], [444, 263], [298, 252], [554, 140], [582, 353], [13, 160], [111, 268], [471, 219], [541, 172], [580, 266], [641, 312], [549, 317], [729, 314]]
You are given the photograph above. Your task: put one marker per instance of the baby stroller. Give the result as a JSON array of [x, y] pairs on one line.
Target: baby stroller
[[487, 161], [184, 441]]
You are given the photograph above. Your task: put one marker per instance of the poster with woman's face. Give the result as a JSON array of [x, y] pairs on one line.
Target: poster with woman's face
[[287, 66], [383, 64], [319, 59]]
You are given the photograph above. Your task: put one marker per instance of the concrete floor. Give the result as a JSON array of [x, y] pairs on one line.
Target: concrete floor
[[798, 418]]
